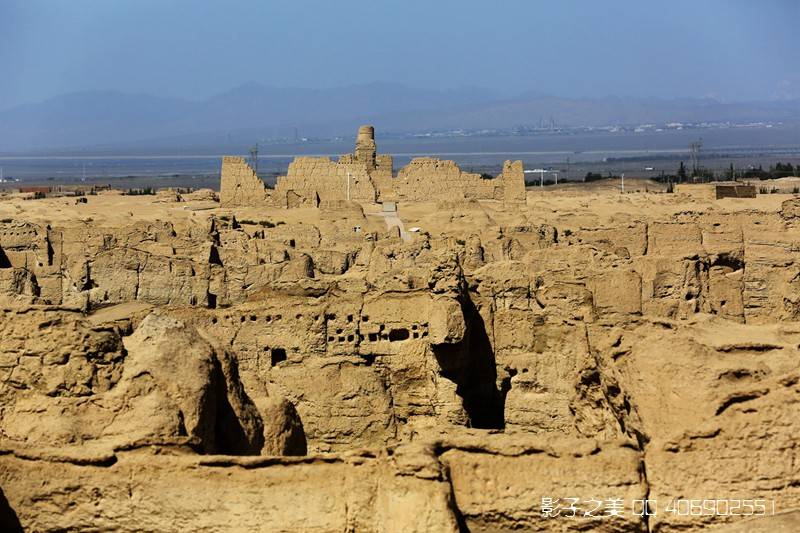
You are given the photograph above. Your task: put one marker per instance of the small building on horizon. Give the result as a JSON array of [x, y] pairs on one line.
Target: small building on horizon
[[716, 190]]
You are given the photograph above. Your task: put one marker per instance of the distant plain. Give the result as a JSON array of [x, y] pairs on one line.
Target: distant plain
[[571, 154]]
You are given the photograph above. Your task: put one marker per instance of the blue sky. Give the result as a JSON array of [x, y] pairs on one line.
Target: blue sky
[[728, 49]]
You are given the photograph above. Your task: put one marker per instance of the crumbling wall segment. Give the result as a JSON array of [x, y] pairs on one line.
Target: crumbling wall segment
[[239, 184], [513, 182], [426, 178], [318, 180]]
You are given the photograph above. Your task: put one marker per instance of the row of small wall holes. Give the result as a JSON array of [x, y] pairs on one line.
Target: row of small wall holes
[[270, 318], [254, 318], [382, 327], [402, 335], [399, 334]]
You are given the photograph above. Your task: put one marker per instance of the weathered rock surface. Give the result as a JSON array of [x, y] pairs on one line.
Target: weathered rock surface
[[77, 385], [299, 369], [440, 485]]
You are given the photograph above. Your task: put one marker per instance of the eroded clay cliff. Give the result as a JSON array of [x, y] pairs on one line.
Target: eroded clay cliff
[[204, 368]]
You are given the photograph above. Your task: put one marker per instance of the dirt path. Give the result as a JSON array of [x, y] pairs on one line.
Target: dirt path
[[393, 220]]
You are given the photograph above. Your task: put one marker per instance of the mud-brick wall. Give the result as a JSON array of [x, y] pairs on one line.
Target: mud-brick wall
[[239, 185], [425, 178], [328, 179]]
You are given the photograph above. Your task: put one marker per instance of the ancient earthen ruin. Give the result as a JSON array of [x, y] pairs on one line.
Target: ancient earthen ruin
[[198, 365], [366, 176]]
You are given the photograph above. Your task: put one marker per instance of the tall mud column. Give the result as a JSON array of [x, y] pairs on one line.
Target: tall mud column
[[513, 181], [365, 146]]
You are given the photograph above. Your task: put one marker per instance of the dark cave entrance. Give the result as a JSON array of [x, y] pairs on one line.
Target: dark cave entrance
[[471, 366], [277, 355]]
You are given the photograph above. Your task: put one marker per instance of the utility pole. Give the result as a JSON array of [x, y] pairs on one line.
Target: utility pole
[[694, 148], [623, 182], [254, 158]]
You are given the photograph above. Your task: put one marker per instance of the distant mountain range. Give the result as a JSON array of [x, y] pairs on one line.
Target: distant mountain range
[[100, 121]]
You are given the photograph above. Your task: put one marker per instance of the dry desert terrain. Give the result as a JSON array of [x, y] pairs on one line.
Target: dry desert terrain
[[171, 363]]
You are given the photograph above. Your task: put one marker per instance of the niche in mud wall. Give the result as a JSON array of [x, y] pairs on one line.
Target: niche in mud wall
[[397, 333], [277, 355]]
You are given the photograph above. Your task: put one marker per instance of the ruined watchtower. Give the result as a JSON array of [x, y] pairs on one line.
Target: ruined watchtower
[[378, 166], [366, 150]]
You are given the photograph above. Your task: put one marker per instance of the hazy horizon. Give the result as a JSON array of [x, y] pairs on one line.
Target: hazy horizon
[[192, 76], [726, 50], [488, 92]]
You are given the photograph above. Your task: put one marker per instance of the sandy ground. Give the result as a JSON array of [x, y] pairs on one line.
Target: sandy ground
[[562, 206]]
